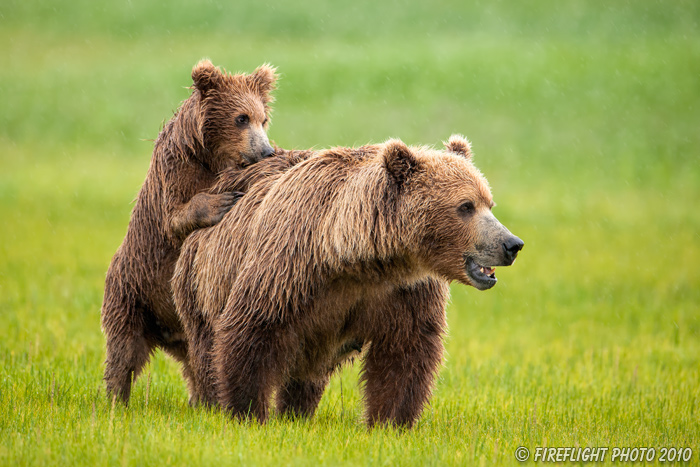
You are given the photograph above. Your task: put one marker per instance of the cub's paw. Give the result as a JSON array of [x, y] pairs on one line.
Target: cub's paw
[[219, 205]]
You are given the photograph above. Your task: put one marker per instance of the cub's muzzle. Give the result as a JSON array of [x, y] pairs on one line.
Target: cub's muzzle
[[267, 151]]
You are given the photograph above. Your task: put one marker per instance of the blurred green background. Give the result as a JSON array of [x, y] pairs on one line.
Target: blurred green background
[[584, 116]]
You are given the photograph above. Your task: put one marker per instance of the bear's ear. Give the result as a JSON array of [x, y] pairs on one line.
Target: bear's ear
[[399, 160], [264, 78], [206, 76], [458, 144]]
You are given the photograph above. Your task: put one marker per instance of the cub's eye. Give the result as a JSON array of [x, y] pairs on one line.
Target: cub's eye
[[467, 208], [242, 119], [265, 121]]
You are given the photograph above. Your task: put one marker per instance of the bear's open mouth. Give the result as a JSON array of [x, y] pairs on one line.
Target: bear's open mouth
[[483, 277]]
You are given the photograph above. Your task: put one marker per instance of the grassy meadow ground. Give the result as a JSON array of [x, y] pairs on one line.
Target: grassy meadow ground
[[584, 116]]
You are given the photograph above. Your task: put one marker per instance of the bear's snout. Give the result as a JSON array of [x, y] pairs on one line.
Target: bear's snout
[[267, 151], [259, 146], [511, 247]]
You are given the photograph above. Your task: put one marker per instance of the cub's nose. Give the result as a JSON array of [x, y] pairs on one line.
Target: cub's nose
[[267, 152], [511, 247]]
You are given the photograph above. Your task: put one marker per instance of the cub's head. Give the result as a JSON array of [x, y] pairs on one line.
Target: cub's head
[[235, 113], [457, 235]]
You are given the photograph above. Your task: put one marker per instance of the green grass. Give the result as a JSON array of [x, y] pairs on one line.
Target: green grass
[[583, 115]]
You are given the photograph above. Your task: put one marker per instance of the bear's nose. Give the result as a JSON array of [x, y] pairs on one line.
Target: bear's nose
[[267, 152], [511, 247]]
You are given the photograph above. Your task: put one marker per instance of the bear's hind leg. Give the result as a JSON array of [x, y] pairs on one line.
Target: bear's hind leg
[[199, 341], [249, 362], [300, 398], [179, 351], [198, 331], [128, 350]]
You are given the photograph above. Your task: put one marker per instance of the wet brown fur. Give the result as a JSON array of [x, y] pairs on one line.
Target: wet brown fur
[[201, 140], [326, 255]]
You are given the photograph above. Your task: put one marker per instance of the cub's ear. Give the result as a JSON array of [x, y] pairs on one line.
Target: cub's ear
[[458, 144], [206, 76], [263, 79], [399, 160]]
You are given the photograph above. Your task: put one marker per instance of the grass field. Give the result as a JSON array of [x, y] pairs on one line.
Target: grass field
[[584, 116]]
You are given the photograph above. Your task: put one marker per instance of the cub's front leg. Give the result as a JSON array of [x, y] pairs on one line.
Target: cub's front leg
[[203, 210]]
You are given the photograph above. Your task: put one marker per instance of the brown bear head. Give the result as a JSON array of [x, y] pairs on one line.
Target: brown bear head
[[448, 197], [234, 113]]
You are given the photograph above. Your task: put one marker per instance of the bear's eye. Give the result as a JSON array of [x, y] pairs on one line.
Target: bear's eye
[[265, 122], [242, 119], [467, 208]]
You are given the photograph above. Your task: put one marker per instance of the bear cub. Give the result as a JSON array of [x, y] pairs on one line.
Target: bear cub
[[221, 126]]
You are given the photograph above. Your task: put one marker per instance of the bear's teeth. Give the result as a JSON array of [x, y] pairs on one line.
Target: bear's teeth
[[487, 270]]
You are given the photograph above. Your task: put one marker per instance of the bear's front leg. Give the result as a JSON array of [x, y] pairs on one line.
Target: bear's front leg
[[203, 210], [404, 356], [248, 362]]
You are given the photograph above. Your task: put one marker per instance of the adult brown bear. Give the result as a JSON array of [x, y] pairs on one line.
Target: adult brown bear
[[342, 251], [221, 125]]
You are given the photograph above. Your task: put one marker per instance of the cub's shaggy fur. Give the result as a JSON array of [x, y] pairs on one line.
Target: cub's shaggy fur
[[328, 255], [221, 125]]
